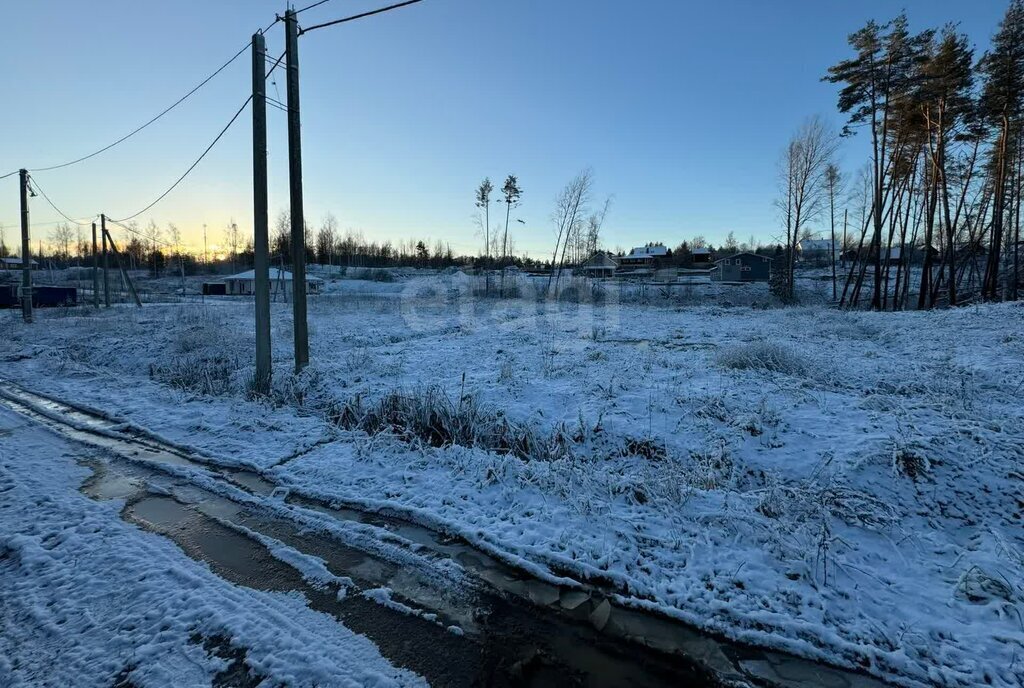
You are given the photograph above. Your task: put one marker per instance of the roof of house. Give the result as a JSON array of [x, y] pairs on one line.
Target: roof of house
[[275, 274], [817, 245], [743, 253], [16, 260], [645, 251], [600, 261]]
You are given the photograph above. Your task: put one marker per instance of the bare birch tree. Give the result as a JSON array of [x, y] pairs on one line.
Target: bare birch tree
[[570, 206], [803, 184]]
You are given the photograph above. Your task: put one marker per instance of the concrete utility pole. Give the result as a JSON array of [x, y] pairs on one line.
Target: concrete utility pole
[[291, 27], [261, 220], [106, 263], [26, 252], [95, 270]]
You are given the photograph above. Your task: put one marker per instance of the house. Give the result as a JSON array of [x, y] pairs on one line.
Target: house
[[599, 265], [743, 267], [701, 255], [244, 283], [643, 257], [818, 249], [14, 263]]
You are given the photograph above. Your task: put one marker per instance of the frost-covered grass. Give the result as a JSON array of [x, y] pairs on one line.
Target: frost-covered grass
[[845, 486]]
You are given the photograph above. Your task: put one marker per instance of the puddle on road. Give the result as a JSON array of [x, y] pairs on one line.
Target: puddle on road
[[519, 631]]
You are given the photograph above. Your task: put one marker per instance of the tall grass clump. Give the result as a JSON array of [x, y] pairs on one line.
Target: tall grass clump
[[197, 374], [428, 416], [431, 417], [761, 355]]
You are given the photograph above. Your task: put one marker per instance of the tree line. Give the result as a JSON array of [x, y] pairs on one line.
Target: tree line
[[943, 183]]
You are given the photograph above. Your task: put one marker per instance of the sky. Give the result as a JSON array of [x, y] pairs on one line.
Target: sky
[[681, 110]]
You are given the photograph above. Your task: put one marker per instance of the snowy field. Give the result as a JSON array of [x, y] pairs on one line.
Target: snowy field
[[842, 486]]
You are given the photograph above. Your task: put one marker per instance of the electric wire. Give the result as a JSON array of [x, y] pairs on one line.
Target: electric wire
[[139, 234], [273, 102], [309, 7], [160, 114], [274, 105], [60, 212], [277, 63], [359, 16], [277, 103], [192, 166], [154, 119]]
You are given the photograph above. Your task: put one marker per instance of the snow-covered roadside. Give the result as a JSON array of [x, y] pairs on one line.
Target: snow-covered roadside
[[839, 485], [87, 600]]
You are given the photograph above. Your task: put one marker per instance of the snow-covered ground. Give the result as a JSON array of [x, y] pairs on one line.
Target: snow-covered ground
[[89, 600], [843, 486]]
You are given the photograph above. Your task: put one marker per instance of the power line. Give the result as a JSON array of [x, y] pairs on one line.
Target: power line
[[271, 24], [161, 114], [141, 235], [270, 74], [277, 63], [272, 103], [192, 166], [359, 16], [59, 211], [15, 225], [277, 103], [309, 7]]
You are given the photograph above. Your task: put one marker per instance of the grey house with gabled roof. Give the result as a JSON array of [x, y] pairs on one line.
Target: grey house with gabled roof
[[743, 267]]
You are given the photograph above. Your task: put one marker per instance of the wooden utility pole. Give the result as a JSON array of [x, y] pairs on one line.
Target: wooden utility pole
[[261, 220], [26, 252], [106, 262], [95, 270], [291, 27]]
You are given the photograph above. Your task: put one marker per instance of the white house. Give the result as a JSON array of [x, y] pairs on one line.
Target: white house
[[244, 283], [818, 248]]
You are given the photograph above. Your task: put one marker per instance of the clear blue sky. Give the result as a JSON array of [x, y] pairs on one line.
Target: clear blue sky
[[680, 108]]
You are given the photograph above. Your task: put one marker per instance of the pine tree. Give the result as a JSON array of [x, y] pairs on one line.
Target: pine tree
[[946, 104], [877, 79], [512, 195], [483, 200], [1002, 70]]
